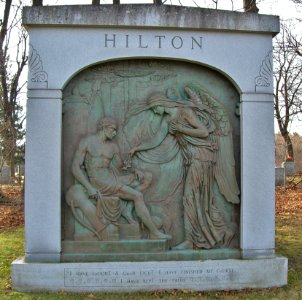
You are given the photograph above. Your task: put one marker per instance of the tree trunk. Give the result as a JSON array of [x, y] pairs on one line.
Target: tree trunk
[[250, 6], [10, 72], [37, 2], [12, 170], [289, 145]]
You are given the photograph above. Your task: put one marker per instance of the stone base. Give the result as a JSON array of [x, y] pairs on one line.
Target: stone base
[[279, 177], [149, 276], [289, 168]]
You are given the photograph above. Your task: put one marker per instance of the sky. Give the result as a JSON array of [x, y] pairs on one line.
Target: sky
[[283, 8], [286, 9]]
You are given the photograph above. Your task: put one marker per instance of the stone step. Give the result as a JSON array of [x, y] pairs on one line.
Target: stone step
[[183, 255], [120, 246]]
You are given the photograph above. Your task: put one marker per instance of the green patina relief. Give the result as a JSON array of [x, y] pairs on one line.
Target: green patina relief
[[149, 151]]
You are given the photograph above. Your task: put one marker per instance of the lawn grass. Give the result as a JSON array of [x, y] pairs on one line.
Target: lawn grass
[[288, 243]]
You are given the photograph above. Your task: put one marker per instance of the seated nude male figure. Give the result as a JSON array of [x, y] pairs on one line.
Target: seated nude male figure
[[96, 153]]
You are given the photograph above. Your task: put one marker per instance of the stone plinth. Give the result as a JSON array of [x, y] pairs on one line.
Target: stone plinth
[[147, 276]]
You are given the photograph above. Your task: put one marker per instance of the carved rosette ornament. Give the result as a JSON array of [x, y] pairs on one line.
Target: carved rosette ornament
[[265, 73], [36, 71]]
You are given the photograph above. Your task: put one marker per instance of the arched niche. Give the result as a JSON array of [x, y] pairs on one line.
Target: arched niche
[[112, 89]]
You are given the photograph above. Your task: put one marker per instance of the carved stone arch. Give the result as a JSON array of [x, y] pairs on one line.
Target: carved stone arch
[[111, 89]]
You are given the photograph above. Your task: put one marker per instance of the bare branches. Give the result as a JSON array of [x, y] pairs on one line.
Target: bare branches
[[37, 2], [297, 1], [288, 82], [13, 59], [250, 4], [215, 3], [295, 44]]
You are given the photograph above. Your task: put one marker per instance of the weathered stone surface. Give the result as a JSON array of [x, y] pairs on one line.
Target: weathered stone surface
[[43, 166], [258, 186], [133, 276], [289, 168], [122, 246], [72, 254], [5, 176], [279, 176], [150, 16]]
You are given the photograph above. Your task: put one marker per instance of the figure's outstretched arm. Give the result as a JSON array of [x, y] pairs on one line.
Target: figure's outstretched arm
[[120, 165], [152, 142]]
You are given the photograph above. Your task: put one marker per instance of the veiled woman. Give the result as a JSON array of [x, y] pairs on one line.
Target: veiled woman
[[192, 127]]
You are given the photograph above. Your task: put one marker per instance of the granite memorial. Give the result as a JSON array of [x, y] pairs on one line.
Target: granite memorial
[[142, 160]]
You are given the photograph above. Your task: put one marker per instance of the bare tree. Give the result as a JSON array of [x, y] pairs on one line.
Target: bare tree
[[12, 62], [247, 5], [288, 84], [295, 44], [292, 39], [297, 1], [37, 2], [250, 6]]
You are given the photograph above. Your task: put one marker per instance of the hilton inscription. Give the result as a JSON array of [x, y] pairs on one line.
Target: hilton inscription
[[153, 41]]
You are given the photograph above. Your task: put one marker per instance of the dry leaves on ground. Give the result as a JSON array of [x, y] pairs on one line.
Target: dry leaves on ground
[[288, 201], [11, 206], [11, 216], [11, 193]]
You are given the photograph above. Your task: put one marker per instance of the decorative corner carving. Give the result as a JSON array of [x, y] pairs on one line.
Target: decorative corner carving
[[265, 73], [36, 71]]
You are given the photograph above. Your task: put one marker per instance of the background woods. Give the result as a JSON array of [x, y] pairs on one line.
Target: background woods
[[13, 59]]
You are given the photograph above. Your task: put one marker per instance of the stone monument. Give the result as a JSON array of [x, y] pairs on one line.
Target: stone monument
[[280, 178], [142, 164]]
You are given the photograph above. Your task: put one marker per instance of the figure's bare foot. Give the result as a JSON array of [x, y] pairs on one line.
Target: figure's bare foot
[[160, 236], [186, 245]]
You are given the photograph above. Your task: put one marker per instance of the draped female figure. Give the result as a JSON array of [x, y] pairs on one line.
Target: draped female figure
[[208, 164]]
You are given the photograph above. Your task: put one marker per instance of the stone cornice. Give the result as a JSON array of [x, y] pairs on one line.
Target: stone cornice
[[149, 16]]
